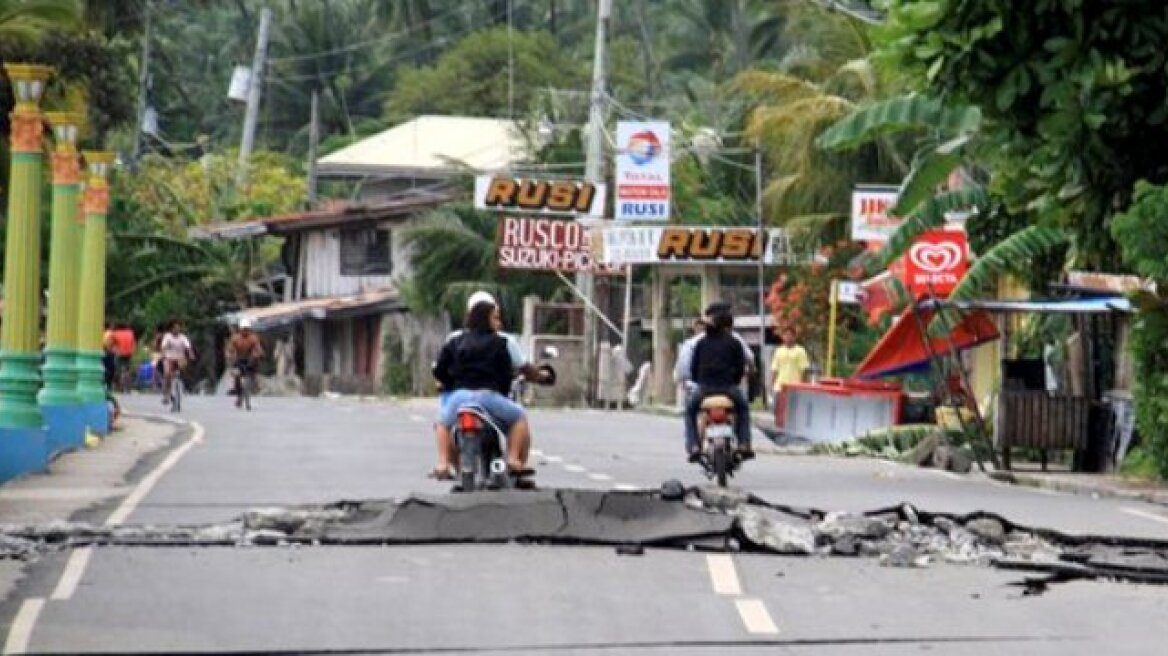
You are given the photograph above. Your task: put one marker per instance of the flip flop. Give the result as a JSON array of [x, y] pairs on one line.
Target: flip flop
[[520, 473], [440, 475]]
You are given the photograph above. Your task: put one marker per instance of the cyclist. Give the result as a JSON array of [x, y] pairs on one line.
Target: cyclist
[[176, 353], [245, 352]]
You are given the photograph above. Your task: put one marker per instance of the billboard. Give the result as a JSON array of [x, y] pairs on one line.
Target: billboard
[[870, 219], [509, 194], [546, 244], [693, 245], [936, 262], [642, 171]]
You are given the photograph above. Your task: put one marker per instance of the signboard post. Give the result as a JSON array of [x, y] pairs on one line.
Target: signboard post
[[642, 171]]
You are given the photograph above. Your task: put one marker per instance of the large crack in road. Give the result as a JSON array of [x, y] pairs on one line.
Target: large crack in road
[[704, 518]]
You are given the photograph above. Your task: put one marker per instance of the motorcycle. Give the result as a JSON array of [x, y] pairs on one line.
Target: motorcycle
[[481, 442], [521, 390], [717, 439]]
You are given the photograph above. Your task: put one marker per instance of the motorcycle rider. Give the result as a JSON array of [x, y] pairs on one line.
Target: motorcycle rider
[[718, 367], [477, 365]]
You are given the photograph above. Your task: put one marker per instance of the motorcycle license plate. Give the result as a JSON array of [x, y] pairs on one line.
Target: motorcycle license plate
[[719, 431]]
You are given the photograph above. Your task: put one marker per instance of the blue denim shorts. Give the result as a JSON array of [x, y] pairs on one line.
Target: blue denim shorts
[[503, 409]]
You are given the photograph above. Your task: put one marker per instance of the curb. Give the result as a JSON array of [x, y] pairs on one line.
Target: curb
[[1159, 497]]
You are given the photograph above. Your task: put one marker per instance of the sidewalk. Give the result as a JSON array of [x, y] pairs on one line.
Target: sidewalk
[[1101, 485], [82, 481]]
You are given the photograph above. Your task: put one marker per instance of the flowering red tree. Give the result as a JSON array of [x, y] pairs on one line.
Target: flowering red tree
[[800, 297]]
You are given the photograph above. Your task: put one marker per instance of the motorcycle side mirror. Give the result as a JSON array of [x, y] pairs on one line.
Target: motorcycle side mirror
[[550, 352]]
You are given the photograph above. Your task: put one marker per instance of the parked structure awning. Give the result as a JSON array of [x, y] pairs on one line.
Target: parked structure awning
[[332, 307], [904, 348]]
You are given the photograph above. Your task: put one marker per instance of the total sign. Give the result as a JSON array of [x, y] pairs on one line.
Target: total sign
[[642, 171], [936, 262]]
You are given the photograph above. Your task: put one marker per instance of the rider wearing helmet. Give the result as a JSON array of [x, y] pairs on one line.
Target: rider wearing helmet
[[718, 367]]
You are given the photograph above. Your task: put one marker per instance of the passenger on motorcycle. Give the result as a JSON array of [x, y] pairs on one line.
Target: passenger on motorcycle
[[718, 367], [479, 364]]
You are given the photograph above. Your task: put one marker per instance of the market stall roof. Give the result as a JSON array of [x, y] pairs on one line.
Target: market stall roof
[[329, 307], [904, 349], [331, 214], [1100, 305]]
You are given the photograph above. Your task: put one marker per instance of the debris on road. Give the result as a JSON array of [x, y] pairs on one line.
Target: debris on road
[[703, 518]]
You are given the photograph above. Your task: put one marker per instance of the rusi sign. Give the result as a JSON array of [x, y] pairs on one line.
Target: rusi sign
[[690, 245], [642, 171], [870, 219], [544, 244], [543, 196], [936, 262]]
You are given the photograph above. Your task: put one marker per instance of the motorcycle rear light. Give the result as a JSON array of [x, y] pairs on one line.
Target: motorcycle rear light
[[717, 414], [468, 422]]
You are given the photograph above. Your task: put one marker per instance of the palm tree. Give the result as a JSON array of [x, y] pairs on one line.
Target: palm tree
[[25, 21]]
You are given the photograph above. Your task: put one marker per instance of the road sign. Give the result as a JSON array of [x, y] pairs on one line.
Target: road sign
[[642, 171]]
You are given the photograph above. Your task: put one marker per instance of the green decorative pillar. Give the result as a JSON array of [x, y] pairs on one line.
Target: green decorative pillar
[[60, 405], [22, 434], [91, 320]]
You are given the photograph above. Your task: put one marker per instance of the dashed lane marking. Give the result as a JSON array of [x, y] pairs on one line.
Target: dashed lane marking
[[553, 459], [575, 469], [1146, 515], [755, 616], [600, 477], [723, 575], [71, 577], [625, 487], [21, 632]]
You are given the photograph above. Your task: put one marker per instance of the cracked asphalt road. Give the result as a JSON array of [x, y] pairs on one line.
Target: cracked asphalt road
[[541, 599]]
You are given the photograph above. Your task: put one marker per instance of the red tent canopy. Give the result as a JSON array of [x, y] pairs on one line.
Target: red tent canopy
[[903, 348]]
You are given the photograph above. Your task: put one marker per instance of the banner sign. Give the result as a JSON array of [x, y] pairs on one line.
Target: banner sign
[[642, 171], [692, 245], [870, 220], [539, 196], [936, 262], [546, 244]]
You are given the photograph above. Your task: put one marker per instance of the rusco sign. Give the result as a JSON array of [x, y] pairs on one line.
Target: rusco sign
[[541, 196], [936, 262], [545, 244]]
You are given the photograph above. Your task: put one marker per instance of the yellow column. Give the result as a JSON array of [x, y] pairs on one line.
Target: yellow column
[[90, 384], [22, 440]]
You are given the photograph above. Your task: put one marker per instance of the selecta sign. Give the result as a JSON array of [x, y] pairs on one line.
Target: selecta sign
[[642, 171], [540, 196], [545, 244], [870, 219], [936, 262]]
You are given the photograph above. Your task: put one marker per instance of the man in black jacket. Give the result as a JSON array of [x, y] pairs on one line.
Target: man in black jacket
[[718, 367]]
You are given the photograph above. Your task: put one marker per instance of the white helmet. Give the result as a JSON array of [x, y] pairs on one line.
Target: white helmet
[[479, 297], [245, 323]]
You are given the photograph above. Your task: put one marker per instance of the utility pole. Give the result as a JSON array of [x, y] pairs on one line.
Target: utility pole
[[143, 84], [254, 89], [764, 389], [593, 173], [313, 142]]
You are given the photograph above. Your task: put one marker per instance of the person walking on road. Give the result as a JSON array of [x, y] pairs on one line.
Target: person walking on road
[[789, 363]]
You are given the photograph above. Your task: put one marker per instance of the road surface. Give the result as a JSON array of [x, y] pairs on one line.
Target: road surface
[[518, 599]]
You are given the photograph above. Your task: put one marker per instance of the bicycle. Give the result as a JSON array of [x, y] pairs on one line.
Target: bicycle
[[244, 380], [172, 387]]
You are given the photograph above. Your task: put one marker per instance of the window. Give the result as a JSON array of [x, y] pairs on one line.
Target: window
[[365, 252]]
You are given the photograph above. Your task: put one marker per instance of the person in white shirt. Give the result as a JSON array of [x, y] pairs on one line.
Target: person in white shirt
[[176, 353]]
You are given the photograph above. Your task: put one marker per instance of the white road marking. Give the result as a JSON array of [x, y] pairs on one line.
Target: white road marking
[[755, 616], [122, 512], [575, 469], [625, 487], [417, 419], [600, 477], [723, 575], [553, 459], [21, 632], [71, 577], [1146, 515], [537, 453]]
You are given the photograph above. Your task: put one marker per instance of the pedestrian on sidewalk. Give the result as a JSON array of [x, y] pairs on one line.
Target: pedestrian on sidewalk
[[789, 364]]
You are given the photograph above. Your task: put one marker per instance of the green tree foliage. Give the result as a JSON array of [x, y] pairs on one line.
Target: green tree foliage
[[25, 21], [471, 78], [1072, 90], [1142, 234]]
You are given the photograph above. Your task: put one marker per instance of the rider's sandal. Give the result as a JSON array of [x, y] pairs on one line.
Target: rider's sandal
[[520, 473], [440, 474]]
